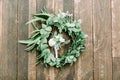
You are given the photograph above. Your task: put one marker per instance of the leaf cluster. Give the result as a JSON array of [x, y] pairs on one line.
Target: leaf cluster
[[39, 40]]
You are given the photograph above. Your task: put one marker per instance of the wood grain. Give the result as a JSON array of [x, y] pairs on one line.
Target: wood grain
[[23, 15], [31, 56], [58, 6], [116, 38], [68, 5], [102, 39], [84, 65], [8, 62], [41, 70], [116, 68], [100, 21], [66, 73], [116, 28], [50, 70], [1, 58]]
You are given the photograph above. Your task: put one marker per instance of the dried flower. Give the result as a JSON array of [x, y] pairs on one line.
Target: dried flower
[[51, 42]]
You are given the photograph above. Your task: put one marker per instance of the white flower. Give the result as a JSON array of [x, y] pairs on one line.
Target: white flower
[[70, 24], [51, 42], [62, 39]]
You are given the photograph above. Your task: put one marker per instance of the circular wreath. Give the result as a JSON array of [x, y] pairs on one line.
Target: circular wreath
[[45, 37]]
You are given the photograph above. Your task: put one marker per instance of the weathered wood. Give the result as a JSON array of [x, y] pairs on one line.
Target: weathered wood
[[68, 5], [102, 39], [100, 21], [116, 68], [66, 73], [116, 28], [31, 56], [23, 15], [50, 70], [1, 58], [8, 61], [50, 6], [58, 6], [40, 4], [41, 72], [116, 38], [84, 65]]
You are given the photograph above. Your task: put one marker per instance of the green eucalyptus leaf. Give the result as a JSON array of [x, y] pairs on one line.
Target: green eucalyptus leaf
[[48, 29], [36, 19], [26, 41], [38, 48], [34, 26], [44, 10], [44, 26], [44, 40], [36, 35], [35, 31], [30, 48], [44, 46], [46, 51], [42, 31], [42, 15], [39, 56]]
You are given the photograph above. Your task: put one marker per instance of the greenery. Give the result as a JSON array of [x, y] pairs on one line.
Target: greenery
[[39, 40]]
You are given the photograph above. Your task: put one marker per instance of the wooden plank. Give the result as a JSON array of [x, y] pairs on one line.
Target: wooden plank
[[58, 6], [50, 70], [40, 4], [1, 58], [68, 5], [116, 28], [84, 65], [50, 6], [116, 38], [102, 39], [41, 71], [66, 73], [31, 56], [8, 62], [116, 68], [23, 15]]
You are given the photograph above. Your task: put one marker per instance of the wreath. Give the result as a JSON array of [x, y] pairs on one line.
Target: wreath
[[50, 35]]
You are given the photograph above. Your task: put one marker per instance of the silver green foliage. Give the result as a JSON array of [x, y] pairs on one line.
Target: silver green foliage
[[38, 41]]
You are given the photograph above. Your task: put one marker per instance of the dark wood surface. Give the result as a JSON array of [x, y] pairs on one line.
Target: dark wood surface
[[8, 51], [100, 21], [23, 17], [31, 56]]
